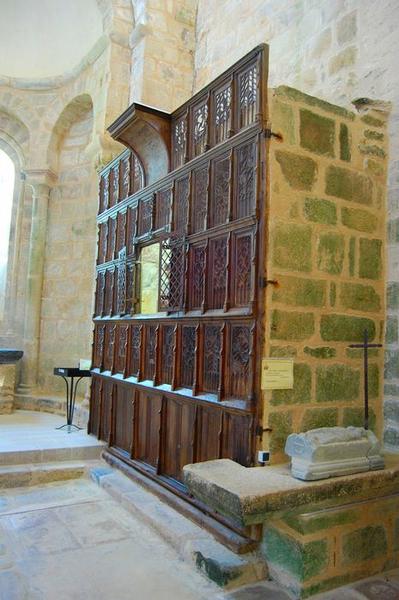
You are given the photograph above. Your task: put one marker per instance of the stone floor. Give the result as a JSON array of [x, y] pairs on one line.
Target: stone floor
[[71, 540], [27, 436]]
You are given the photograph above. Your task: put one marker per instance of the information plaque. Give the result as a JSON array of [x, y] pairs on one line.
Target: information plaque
[[277, 374]]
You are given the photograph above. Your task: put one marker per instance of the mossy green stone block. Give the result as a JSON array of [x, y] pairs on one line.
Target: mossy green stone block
[[345, 328], [319, 417], [361, 220], [321, 352], [333, 293], [317, 133], [370, 258], [283, 121], [294, 94], [349, 185], [301, 392], [391, 364], [283, 351], [393, 295], [373, 135], [375, 168], [354, 417], [337, 383], [317, 521], [352, 256], [302, 560], [364, 544], [359, 353], [281, 425], [372, 150], [372, 121], [320, 211], [359, 297], [344, 143], [391, 334], [300, 292], [291, 325], [292, 246], [299, 171], [330, 253]]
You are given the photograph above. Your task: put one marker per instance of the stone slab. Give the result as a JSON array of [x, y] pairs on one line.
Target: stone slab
[[333, 451], [253, 495]]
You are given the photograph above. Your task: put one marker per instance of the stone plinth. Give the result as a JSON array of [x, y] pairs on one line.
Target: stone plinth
[[317, 535], [8, 378], [332, 451]]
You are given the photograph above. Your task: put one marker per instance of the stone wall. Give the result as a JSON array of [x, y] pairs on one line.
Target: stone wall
[[334, 49], [327, 230]]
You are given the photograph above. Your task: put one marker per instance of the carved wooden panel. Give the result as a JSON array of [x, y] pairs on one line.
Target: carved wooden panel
[[135, 350], [100, 292], [109, 291], [114, 185], [199, 124], [211, 358], [124, 182], [242, 285], [121, 348], [168, 343], [197, 259], [179, 141], [220, 198], [107, 394], [109, 346], [244, 199], [98, 346], [145, 216], [150, 352], [137, 176], [102, 242], [222, 113], [120, 232], [217, 272], [187, 355], [104, 192], [131, 230], [111, 241], [180, 205], [172, 273], [239, 381], [199, 202], [163, 203], [248, 95]]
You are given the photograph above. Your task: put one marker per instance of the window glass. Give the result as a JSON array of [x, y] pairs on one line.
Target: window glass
[[149, 283]]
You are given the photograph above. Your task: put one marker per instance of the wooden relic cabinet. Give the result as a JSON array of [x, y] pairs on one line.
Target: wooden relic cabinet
[[183, 385]]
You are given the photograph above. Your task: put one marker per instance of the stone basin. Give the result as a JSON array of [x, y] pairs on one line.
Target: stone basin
[[10, 356]]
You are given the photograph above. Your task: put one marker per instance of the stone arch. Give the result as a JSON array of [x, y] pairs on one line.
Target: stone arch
[[14, 134], [71, 113]]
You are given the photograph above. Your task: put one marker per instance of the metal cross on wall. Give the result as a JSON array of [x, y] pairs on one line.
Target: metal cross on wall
[[365, 347]]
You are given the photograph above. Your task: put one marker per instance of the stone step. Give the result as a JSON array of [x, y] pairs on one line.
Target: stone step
[[193, 543], [38, 474], [47, 455]]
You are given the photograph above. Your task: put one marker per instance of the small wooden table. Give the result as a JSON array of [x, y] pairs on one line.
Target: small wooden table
[[71, 388]]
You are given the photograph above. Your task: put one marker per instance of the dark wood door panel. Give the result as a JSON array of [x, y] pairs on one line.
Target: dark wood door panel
[[123, 418], [147, 446], [178, 436]]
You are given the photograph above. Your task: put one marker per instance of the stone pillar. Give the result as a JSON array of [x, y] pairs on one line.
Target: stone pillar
[[40, 182]]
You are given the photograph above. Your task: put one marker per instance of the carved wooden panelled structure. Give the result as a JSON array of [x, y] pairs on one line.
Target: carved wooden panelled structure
[[183, 385]]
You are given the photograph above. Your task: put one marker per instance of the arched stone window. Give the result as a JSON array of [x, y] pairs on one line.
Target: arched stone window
[[7, 184]]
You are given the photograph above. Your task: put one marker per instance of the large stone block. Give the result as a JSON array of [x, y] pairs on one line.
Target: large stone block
[[330, 253], [359, 297], [299, 171], [320, 211], [349, 185], [321, 351], [370, 258], [292, 246], [291, 325], [296, 95], [302, 560], [364, 544], [337, 383], [319, 417], [281, 425], [283, 121], [344, 328], [344, 143], [300, 292], [317, 133], [301, 393], [361, 220], [354, 417]]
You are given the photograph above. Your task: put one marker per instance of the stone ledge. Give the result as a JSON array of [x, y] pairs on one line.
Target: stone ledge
[[253, 495]]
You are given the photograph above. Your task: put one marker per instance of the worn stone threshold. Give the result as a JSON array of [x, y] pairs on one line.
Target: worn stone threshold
[[16, 476], [251, 495], [192, 542]]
